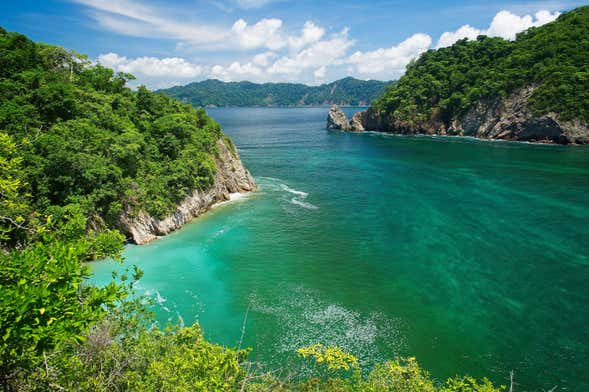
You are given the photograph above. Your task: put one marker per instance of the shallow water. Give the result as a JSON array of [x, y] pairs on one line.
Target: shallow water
[[472, 256]]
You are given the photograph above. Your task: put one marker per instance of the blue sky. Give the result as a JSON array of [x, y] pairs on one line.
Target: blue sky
[[174, 42]]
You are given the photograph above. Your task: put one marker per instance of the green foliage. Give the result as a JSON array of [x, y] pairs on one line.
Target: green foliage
[[469, 384], [348, 91], [334, 357], [173, 359], [443, 84], [12, 206], [84, 138], [400, 375], [45, 302]]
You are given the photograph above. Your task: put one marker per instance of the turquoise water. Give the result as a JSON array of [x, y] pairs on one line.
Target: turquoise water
[[472, 256]]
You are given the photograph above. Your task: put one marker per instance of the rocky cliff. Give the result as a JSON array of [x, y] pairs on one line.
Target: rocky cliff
[[230, 177], [506, 118]]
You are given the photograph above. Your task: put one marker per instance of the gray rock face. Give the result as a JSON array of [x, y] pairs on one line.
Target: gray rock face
[[336, 119], [507, 118], [511, 118], [356, 123], [231, 177]]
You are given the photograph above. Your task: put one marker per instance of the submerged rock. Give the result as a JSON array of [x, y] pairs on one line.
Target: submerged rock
[[230, 177]]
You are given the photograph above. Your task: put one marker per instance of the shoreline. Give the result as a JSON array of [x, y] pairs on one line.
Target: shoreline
[[233, 198], [462, 137], [459, 137]]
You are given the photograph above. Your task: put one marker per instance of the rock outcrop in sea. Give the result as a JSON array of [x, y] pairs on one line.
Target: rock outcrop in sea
[[230, 177], [506, 118], [336, 119]]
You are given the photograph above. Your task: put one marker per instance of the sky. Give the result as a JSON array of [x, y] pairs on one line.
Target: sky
[[166, 43]]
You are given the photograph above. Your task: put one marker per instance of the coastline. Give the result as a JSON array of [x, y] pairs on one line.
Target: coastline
[[231, 177], [233, 198], [460, 138]]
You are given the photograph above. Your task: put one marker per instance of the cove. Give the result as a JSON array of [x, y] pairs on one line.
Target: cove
[[471, 255]]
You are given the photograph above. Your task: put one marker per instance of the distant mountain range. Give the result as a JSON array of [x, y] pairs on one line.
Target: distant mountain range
[[212, 92]]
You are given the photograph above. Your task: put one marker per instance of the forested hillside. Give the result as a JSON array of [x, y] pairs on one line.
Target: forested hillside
[[85, 139], [348, 91], [443, 84]]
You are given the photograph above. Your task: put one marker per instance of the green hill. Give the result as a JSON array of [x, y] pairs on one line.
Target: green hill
[[463, 88], [346, 92], [87, 140]]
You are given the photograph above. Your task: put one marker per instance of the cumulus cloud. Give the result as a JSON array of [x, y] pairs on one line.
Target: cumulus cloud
[[310, 34], [450, 37], [263, 59], [237, 72], [308, 55], [265, 33], [390, 61], [505, 25], [152, 70], [322, 53]]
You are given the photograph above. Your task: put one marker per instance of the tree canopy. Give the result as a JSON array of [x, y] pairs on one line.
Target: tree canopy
[[84, 138], [444, 83]]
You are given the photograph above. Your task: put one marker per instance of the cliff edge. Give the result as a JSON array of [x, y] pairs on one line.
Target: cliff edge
[[505, 118], [230, 177]]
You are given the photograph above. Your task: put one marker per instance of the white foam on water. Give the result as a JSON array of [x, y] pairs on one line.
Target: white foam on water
[[304, 318], [303, 204], [299, 199], [294, 191], [233, 197]]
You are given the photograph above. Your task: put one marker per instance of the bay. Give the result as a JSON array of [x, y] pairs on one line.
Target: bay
[[472, 256]]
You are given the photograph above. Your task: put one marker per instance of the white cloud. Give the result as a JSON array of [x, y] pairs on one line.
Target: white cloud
[[309, 35], [390, 62], [154, 71], [322, 53], [128, 17], [320, 72], [236, 72], [265, 33], [263, 59], [449, 38], [505, 25]]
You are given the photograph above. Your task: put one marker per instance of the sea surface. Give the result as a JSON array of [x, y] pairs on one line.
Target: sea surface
[[472, 256]]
